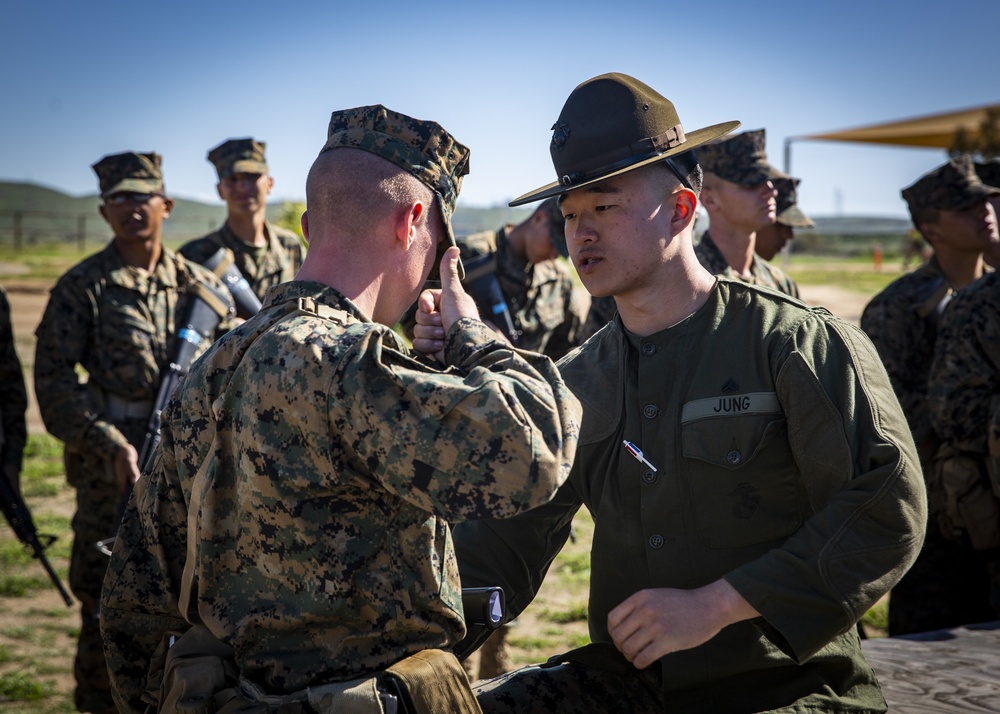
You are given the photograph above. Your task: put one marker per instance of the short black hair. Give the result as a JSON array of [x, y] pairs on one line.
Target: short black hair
[[686, 168]]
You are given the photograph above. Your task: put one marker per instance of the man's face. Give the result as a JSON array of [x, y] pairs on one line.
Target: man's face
[[136, 216], [245, 193], [748, 208], [771, 239], [617, 231], [971, 229], [538, 243]]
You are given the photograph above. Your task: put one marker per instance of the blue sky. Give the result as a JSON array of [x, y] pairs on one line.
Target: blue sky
[[81, 80]]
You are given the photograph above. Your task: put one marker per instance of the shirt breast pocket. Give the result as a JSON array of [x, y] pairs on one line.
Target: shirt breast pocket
[[742, 479]]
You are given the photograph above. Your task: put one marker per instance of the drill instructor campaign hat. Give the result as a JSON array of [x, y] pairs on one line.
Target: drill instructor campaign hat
[[422, 148], [613, 124]]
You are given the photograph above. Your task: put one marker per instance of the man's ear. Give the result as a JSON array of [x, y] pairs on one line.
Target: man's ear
[[708, 198], [304, 222], [168, 206], [407, 220], [930, 232], [685, 208]]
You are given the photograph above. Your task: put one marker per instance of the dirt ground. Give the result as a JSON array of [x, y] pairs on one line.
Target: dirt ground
[[28, 299]]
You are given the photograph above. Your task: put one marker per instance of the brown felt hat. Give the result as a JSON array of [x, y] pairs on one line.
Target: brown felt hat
[[613, 124]]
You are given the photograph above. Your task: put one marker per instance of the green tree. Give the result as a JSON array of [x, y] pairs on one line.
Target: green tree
[[290, 216]]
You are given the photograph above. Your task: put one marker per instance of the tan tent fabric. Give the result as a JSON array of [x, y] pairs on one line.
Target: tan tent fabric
[[937, 130]]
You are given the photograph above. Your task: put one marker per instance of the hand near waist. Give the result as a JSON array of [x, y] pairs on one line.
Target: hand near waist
[[126, 467], [438, 309], [655, 622]]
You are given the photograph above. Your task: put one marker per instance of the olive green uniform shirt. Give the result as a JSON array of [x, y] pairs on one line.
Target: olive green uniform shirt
[[783, 464], [336, 463]]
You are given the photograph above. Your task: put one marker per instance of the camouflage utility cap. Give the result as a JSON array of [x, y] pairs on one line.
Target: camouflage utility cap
[[613, 124], [239, 156], [989, 173], [953, 186], [789, 214], [740, 159], [132, 172], [423, 148]]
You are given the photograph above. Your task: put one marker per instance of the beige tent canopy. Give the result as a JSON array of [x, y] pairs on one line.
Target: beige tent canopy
[[935, 130]]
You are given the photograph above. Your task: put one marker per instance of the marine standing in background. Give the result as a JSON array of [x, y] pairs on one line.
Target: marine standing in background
[[770, 240], [964, 407], [13, 400], [740, 199], [265, 254], [299, 508], [116, 315], [946, 586]]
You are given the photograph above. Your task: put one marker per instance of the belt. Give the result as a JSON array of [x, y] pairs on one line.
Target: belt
[[118, 408]]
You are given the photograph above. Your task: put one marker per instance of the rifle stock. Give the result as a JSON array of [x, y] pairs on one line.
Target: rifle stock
[[17, 514]]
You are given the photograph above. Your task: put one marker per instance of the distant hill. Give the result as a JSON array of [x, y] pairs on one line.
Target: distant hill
[[41, 214]]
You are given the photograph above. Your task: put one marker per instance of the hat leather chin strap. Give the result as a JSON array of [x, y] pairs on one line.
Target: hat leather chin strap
[[634, 153]]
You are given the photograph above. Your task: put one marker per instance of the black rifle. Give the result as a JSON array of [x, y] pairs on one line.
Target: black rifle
[[206, 311], [482, 284], [247, 302], [17, 514]]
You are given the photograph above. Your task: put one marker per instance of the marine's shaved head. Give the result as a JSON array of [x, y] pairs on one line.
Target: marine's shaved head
[[351, 191]]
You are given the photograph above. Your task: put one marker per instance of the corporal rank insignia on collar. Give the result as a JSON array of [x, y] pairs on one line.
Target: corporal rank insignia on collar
[[730, 387]]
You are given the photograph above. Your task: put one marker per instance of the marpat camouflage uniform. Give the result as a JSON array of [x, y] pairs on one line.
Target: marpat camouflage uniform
[[13, 396], [762, 272], [336, 464], [964, 399], [120, 325], [263, 267]]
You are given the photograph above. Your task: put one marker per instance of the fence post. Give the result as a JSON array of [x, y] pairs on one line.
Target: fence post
[[17, 231], [81, 232]]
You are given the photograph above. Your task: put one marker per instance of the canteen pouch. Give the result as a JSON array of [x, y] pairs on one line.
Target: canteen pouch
[[969, 501], [195, 675], [430, 682]]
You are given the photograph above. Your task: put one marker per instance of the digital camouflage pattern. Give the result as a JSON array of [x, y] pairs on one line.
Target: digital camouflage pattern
[[811, 514], [423, 148], [965, 378], [336, 463], [952, 186], [902, 322], [964, 403], [120, 326], [276, 262], [739, 159], [132, 172], [762, 273], [789, 213], [13, 396], [239, 156], [546, 309]]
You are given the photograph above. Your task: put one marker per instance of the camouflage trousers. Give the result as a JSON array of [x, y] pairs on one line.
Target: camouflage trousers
[[571, 687], [96, 518]]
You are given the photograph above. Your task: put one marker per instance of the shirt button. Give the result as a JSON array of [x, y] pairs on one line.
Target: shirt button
[[648, 349], [734, 457], [649, 476], [650, 411], [656, 541]]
